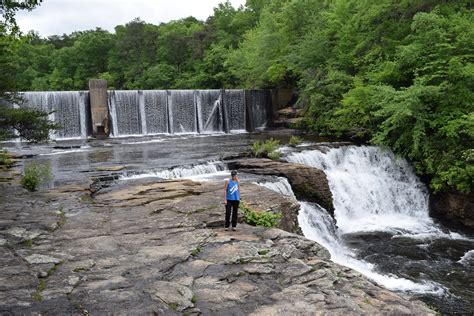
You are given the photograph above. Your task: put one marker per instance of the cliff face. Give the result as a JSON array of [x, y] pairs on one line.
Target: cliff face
[[159, 247], [454, 206], [309, 184]]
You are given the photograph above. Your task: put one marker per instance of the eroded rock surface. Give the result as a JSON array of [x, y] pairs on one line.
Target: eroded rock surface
[[308, 183], [145, 247]]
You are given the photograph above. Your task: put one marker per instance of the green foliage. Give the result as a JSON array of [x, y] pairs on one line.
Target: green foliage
[[30, 124], [35, 174], [395, 73], [267, 148], [5, 158], [295, 141], [265, 219]]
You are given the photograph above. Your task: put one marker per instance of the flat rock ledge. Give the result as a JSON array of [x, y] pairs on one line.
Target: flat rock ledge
[[160, 248], [308, 183]]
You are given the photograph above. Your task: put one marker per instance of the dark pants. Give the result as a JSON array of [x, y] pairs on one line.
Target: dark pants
[[234, 207]]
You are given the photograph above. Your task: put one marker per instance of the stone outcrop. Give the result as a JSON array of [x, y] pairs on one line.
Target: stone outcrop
[[159, 248], [308, 183], [456, 207]]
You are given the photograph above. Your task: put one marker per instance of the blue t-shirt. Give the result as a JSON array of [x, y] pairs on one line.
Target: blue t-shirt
[[233, 191]]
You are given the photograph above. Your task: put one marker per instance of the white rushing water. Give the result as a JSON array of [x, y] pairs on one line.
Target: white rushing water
[[373, 191], [200, 171], [468, 258], [318, 225]]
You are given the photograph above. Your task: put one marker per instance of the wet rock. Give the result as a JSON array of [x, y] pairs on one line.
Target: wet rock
[[308, 183], [457, 207]]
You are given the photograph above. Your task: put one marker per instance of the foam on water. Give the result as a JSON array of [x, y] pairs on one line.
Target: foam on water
[[213, 167], [372, 190], [281, 185], [467, 259], [317, 225]]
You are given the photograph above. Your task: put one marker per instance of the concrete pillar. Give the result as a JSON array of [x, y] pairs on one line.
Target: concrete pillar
[[99, 107]]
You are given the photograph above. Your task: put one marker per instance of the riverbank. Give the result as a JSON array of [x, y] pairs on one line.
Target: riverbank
[[149, 247]]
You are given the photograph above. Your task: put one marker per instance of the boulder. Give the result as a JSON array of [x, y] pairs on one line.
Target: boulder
[[309, 184]]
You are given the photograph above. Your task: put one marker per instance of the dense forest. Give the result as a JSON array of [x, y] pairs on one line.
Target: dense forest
[[398, 73]]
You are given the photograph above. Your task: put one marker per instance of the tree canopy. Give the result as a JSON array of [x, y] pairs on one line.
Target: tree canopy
[[398, 73]]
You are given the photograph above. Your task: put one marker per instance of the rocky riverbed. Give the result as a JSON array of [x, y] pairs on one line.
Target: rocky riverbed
[[141, 247]]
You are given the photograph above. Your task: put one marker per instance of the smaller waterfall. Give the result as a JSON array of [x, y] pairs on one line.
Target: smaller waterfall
[[125, 112], [181, 172], [155, 104], [316, 224], [182, 111], [234, 101], [372, 190], [259, 103], [209, 111], [281, 185], [68, 109]]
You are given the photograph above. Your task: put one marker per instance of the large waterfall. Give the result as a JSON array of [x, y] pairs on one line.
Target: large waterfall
[[373, 191], [69, 109], [148, 112], [153, 112]]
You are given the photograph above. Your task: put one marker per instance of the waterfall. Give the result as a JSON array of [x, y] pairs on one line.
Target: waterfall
[[182, 111], [209, 111], [212, 167], [151, 112], [67, 109], [281, 185], [372, 190], [316, 224], [259, 103], [125, 112], [155, 111], [234, 101]]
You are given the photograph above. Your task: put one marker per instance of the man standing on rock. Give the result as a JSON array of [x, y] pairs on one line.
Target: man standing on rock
[[231, 199]]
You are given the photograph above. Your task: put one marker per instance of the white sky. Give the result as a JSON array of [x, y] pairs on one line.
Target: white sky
[[65, 16]]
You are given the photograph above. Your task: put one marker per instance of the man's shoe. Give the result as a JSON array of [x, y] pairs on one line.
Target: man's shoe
[[234, 229], [226, 228]]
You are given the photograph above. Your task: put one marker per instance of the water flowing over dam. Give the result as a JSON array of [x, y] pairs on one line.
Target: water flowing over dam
[[152, 112], [69, 109]]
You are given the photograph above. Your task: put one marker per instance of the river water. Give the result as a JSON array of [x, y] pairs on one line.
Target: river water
[[382, 226]]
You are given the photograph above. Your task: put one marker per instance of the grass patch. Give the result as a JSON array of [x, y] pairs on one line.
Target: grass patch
[[266, 149], [28, 243], [196, 251], [194, 299], [35, 174], [173, 306], [295, 141], [5, 158], [263, 252], [36, 296], [264, 219], [53, 269], [61, 216]]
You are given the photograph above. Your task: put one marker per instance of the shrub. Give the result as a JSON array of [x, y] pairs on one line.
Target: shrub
[[266, 148], [265, 219], [34, 174], [295, 141], [5, 158]]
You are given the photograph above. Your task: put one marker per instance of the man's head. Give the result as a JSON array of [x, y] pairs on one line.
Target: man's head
[[233, 174]]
